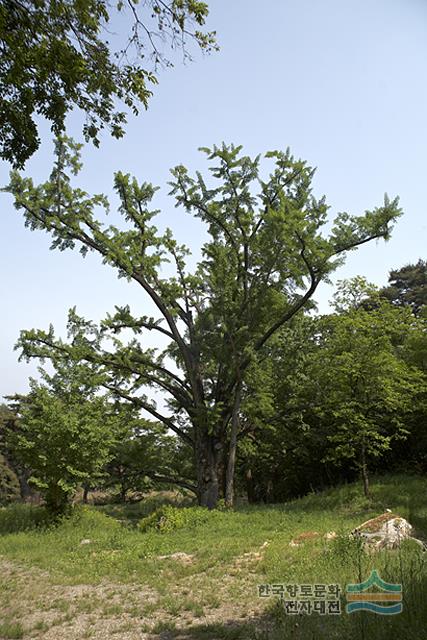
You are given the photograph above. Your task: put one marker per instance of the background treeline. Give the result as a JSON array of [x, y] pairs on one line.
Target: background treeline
[[344, 394], [334, 397]]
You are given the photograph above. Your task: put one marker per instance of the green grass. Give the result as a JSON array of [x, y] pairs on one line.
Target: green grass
[[22, 517], [220, 575], [11, 630]]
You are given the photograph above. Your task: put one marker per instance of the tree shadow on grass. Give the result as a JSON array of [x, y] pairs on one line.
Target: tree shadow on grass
[[411, 624], [259, 628], [274, 624], [346, 626]]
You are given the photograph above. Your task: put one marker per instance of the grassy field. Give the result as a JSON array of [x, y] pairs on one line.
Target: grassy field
[[100, 575]]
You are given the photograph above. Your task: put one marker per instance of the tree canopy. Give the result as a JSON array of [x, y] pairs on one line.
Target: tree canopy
[[62, 54], [66, 433]]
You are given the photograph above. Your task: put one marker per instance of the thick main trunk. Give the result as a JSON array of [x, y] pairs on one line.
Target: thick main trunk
[[208, 459]]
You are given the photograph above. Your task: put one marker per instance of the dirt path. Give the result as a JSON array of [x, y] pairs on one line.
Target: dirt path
[[223, 605]]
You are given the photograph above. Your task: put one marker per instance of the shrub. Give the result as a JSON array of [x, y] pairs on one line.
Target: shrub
[[169, 518], [88, 520]]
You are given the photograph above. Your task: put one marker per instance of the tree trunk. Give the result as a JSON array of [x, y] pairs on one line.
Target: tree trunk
[[269, 491], [24, 487], [250, 488], [364, 472], [123, 492], [57, 500], [208, 452], [222, 467], [85, 493], [231, 462]]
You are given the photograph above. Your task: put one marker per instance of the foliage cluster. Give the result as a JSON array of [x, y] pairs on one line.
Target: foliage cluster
[[169, 518], [62, 55]]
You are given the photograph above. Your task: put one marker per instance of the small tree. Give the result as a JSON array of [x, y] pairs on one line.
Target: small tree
[[64, 441], [281, 451], [364, 392], [263, 261]]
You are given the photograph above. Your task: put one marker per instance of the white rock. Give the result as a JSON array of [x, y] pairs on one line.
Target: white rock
[[179, 555], [386, 531], [330, 535]]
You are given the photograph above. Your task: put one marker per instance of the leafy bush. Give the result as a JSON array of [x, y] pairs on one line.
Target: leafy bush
[[62, 438], [168, 518]]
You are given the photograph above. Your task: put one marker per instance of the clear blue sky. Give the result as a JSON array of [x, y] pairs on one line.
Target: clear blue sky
[[343, 83]]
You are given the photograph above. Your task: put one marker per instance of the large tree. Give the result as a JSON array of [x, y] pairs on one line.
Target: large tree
[[264, 259], [56, 55]]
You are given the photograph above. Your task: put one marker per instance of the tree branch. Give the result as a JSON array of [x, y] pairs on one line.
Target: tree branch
[[147, 407], [171, 480]]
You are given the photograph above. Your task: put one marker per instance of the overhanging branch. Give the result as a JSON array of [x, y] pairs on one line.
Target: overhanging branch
[[172, 480], [152, 411]]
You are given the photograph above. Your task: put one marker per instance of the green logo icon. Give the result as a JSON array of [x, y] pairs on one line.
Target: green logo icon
[[360, 599]]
